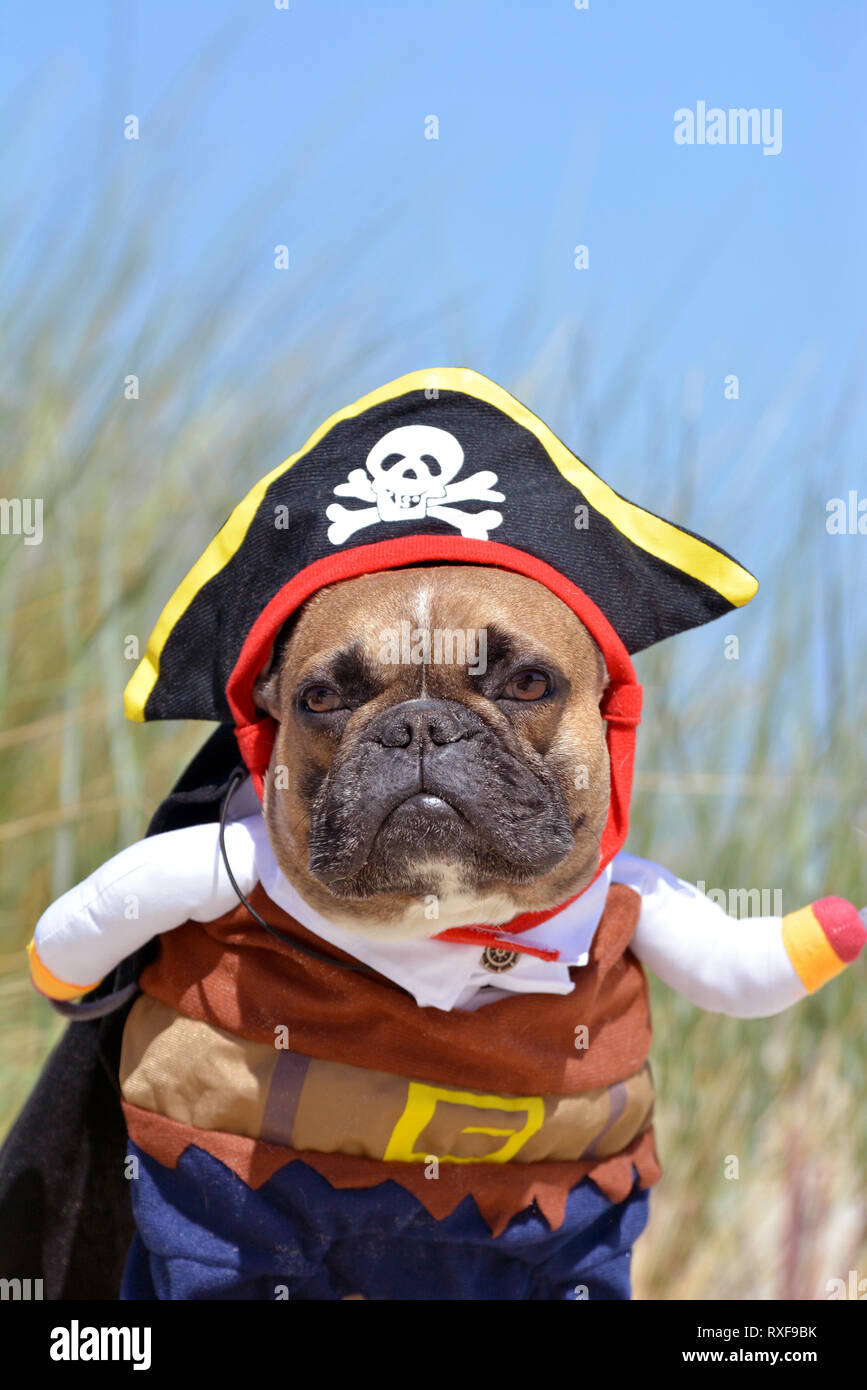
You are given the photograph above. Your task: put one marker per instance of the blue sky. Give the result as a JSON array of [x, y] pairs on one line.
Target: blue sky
[[555, 128], [306, 127]]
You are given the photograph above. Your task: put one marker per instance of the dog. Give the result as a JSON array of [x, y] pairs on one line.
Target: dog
[[393, 1040]]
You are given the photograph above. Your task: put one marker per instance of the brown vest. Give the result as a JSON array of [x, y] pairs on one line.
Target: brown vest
[[261, 1055]]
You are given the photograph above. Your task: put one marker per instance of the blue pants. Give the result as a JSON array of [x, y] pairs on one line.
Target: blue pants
[[203, 1234]]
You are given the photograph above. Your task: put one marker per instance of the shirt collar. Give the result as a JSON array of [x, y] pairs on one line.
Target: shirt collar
[[441, 973]]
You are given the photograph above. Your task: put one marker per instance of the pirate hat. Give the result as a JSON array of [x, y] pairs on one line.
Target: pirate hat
[[437, 466]]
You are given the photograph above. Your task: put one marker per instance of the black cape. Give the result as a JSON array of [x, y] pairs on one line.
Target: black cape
[[65, 1212]]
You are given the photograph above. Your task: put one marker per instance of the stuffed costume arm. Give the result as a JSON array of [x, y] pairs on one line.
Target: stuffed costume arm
[[149, 888], [748, 967]]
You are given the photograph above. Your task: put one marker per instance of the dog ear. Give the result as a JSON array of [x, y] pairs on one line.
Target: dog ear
[[603, 678], [266, 688], [266, 691]]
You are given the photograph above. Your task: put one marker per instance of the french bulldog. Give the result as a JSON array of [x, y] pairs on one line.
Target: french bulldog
[[320, 1101], [392, 782]]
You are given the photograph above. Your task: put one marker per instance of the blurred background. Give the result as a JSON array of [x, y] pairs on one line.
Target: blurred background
[[430, 170]]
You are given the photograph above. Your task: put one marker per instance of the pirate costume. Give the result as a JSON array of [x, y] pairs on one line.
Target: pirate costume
[[466, 1116]]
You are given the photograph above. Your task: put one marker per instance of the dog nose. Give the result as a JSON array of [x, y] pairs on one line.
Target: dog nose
[[423, 721]]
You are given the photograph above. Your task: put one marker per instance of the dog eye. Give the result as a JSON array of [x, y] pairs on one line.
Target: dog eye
[[527, 685], [321, 699]]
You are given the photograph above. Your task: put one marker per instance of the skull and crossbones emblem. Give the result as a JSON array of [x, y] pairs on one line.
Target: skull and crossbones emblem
[[409, 475]]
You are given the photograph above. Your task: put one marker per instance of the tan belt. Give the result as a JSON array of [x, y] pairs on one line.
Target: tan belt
[[203, 1076]]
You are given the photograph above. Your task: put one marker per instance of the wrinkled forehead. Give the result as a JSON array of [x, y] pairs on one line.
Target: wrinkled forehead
[[512, 615]]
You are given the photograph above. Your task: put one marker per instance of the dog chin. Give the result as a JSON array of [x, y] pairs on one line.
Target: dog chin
[[406, 913], [409, 889]]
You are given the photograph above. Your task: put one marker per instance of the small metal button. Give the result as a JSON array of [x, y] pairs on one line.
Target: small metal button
[[498, 959]]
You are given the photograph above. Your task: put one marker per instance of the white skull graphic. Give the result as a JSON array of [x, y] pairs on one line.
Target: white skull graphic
[[410, 473], [405, 487]]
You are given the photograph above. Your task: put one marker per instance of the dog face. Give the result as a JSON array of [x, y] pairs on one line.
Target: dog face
[[439, 737]]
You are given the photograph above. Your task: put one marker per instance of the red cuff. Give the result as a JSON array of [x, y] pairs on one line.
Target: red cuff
[[842, 926]]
